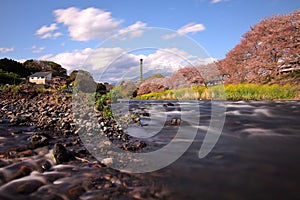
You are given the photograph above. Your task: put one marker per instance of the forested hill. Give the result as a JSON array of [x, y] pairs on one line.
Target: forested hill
[[11, 71], [42, 66]]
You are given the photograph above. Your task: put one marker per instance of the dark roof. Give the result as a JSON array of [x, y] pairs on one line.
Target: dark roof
[[40, 74]]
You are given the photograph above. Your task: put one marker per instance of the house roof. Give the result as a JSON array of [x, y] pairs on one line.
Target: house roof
[[40, 74]]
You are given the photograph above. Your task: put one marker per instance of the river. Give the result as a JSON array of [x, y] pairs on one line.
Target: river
[[256, 157]]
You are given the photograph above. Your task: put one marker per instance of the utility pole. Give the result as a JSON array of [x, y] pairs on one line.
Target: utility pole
[[141, 70]]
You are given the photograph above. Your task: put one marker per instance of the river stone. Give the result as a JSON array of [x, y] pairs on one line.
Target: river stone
[[39, 140], [61, 154], [21, 186], [107, 161]]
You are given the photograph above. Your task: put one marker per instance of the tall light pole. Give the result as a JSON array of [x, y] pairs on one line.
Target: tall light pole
[[141, 70]]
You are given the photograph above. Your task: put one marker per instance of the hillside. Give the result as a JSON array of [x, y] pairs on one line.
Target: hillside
[[13, 72], [41, 66]]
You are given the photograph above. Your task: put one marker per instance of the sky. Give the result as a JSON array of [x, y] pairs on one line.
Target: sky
[[109, 37]]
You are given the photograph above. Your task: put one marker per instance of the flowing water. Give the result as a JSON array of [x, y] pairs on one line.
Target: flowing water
[[256, 157]]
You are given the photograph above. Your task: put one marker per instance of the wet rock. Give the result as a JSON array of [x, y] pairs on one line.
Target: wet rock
[[45, 165], [134, 146], [25, 153], [17, 170], [173, 122], [21, 187], [4, 163], [61, 154], [168, 104], [76, 191], [39, 140]]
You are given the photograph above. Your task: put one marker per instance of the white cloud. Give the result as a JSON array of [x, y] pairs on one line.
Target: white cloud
[[87, 24], [169, 36], [134, 30], [216, 1], [21, 60], [69, 60], [35, 49], [48, 31], [189, 28], [5, 50], [169, 59], [114, 64]]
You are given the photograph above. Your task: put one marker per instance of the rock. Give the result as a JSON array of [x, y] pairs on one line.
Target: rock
[[16, 171], [24, 187], [173, 122], [61, 154], [39, 140], [25, 153], [45, 165], [168, 104], [107, 161]]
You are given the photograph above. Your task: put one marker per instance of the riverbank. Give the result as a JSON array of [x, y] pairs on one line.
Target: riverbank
[[231, 92], [42, 155]]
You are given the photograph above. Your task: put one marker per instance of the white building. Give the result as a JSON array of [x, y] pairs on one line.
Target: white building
[[40, 77]]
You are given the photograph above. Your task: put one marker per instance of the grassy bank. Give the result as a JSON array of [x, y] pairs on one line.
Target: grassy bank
[[230, 92]]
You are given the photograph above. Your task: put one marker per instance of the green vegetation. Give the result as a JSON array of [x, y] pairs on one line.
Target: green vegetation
[[14, 89], [33, 66], [102, 104], [232, 92], [9, 78], [9, 65], [154, 76]]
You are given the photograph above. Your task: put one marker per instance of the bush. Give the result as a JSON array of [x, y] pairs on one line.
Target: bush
[[9, 78]]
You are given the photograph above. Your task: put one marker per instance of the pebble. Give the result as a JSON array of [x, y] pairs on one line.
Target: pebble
[[107, 161]]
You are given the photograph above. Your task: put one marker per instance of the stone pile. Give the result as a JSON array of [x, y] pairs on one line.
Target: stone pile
[[42, 156]]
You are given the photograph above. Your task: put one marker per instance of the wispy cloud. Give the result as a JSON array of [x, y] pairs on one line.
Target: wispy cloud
[[48, 31], [134, 30], [35, 49], [216, 1], [5, 50], [189, 28]]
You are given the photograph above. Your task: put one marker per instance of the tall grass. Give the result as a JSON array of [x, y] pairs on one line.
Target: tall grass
[[259, 92], [229, 92]]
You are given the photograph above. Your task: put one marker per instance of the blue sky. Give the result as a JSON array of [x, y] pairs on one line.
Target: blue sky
[[68, 31]]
